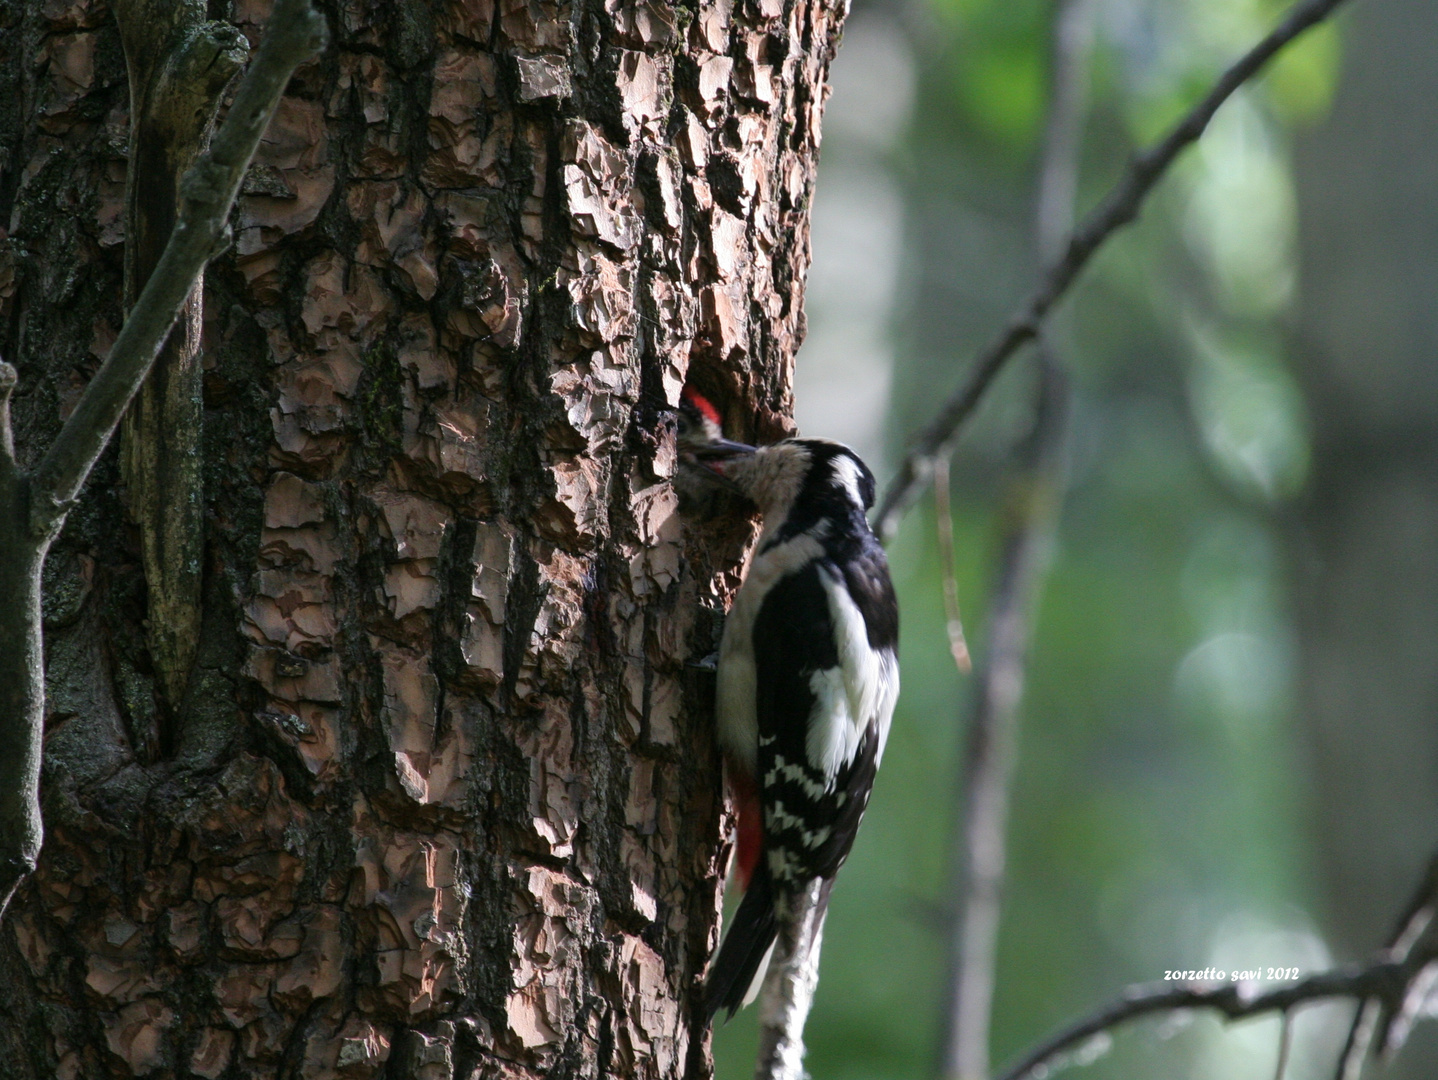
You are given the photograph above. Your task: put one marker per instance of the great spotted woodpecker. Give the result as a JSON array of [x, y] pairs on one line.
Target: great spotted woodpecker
[[807, 680]]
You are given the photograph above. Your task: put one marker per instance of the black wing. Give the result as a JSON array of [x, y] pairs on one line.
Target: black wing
[[809, 823], [866, 573]]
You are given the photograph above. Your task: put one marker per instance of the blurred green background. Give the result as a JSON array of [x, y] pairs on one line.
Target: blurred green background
[[1228, 752]]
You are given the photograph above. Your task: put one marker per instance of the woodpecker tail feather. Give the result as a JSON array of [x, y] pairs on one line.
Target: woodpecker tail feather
[[745, 951]]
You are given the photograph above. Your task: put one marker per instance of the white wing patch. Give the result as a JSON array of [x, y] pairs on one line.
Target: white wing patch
[[846, 476], [861, 690]]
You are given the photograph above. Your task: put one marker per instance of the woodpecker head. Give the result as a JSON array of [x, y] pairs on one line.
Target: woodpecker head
[[701, 429], [699, 421], [701, 439], [793, 478]]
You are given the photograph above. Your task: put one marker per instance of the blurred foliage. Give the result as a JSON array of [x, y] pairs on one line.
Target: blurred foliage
[[993, 68], [1303, 78], [1157, 807]]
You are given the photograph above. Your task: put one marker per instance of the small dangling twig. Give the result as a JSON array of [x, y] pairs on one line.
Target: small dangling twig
[[958, 644], [1285, 1044]]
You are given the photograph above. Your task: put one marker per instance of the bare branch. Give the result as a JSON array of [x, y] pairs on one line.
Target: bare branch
[[1374, 1021], [22, 692], [1360, 1037], [979, 854], [1385, 979], [8, 377], [179, 64], [1119, 208], [1035, 497], [294, 34], [789, 985], [1386, 985], [22, 676], [1063, 132], [1285, 1045]]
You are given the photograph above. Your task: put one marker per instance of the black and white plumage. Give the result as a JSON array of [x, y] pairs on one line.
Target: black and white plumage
[[807, 682]]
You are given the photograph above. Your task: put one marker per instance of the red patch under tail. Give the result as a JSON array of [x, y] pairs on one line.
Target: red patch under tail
[[750, 838]]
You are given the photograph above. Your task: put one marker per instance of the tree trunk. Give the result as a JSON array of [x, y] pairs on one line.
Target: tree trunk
[[440, 798], [1367, 550]]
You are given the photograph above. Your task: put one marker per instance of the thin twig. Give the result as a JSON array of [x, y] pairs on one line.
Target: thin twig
[[1385, 979], [1374, 1022], [1063, 131], [944, 515], [1120, 207], [1360, 1037]]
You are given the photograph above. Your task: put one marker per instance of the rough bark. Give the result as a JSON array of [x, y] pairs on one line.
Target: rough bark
[[441, 798]]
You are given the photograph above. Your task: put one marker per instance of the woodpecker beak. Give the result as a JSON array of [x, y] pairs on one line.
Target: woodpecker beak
[[716, 456]]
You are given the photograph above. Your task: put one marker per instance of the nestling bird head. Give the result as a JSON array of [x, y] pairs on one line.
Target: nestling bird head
[[791, 479], [700, 425]]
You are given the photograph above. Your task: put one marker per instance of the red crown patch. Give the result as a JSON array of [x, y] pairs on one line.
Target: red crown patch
[[702, 403]]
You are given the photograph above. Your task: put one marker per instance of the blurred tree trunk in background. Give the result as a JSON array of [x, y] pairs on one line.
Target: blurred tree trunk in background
[[440, 799], [1367, 549]]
